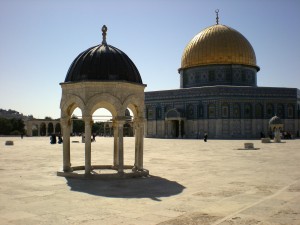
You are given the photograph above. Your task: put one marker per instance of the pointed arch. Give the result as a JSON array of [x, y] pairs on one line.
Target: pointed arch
[[69, 103], [104, 100], [135, 104]]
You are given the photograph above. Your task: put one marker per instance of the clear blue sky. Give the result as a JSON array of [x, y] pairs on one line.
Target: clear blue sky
[[40, 39]]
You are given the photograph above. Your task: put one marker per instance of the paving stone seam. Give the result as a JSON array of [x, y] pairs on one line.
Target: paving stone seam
[[255, 203]]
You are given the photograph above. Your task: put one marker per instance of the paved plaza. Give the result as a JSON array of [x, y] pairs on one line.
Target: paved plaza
[[191, 182]]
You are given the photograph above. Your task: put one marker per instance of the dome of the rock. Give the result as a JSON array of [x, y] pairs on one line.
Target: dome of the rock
[[218, 45]]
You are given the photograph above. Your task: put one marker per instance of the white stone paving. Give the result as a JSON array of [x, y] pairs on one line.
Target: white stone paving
[[191, 182]]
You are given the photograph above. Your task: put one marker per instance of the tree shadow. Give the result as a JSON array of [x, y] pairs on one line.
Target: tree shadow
[[152, 187]]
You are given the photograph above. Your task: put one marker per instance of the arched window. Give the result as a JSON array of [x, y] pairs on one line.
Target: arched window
[[190, 111], [43, 129], [200, 111], [236, 111], [211, 111], [57, 128], [149, 113], [259, 112], [158, 112], [280, 111], [228, 75], [167, 108], [211, 75], [290, 109], [225, 110], [270, 110], [50, 128], [248, 111]]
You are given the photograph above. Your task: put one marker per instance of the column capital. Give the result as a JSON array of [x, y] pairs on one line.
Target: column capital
[[138, 124], [118, 122], [88, 120], [65, 121], [139, 120]]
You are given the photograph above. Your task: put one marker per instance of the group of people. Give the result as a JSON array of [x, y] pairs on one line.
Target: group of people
[[53, 139], [283, 135]]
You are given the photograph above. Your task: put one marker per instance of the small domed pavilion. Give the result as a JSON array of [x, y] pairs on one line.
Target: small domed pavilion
[[103, 77], [276, 126]]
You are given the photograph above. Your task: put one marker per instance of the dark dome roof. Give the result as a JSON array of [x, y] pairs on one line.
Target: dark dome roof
[[275, 120], [103, 63]]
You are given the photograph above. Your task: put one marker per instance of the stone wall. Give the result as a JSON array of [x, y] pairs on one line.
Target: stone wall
[[218, 128]]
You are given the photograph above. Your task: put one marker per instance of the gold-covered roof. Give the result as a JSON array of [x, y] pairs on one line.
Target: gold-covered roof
[[218, 44]]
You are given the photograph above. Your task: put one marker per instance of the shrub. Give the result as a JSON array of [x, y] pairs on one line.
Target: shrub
[[15, 132]]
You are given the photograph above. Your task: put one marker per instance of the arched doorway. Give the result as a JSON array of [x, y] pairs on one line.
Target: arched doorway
[[176, 131], [174, 127]]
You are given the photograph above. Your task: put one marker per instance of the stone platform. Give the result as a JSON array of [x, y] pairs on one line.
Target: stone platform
[[190, 182]]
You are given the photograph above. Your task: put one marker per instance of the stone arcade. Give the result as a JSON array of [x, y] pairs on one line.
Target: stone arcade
[[219, 94], [103, 77], [37, 124]]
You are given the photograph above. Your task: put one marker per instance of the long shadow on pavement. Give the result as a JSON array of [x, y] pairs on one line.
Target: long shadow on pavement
[[151, 187]]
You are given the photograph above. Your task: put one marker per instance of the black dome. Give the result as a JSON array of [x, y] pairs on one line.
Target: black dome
[[103, 63], [275, 120]]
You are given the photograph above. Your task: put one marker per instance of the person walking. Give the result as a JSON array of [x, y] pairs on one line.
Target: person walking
[[205, 137]]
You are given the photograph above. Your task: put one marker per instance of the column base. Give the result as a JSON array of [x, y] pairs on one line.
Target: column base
[[68, 169], [104, 172]]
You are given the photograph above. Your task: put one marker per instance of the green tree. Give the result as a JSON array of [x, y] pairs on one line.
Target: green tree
[[78, 125], [17, 125], [11, 126], [5, 126], [98, 128]]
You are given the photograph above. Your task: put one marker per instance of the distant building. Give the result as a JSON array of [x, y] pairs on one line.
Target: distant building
[[219, 94]]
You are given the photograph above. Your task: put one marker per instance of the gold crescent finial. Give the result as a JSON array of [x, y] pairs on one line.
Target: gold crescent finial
[[104, 30], [217, 14]]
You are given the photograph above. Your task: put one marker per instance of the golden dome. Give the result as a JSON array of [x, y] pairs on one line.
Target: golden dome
[[218, 44]]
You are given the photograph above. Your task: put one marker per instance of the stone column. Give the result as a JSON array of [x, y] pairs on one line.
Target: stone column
[[46, 125], [88, 133], [166, 128], [179, 128], [255, 130], [29, 129], [72, 123], [219, 133], [120, 146], [116, 135], [242, 127], [139, 144], [38, 127], [136, 152], [65, 126], [132, 130]]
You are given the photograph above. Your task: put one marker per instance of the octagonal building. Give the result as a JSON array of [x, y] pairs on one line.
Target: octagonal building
[[218, 93]]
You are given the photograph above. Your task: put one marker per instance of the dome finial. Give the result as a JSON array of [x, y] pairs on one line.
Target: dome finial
[[217, 13], [104, 30]]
